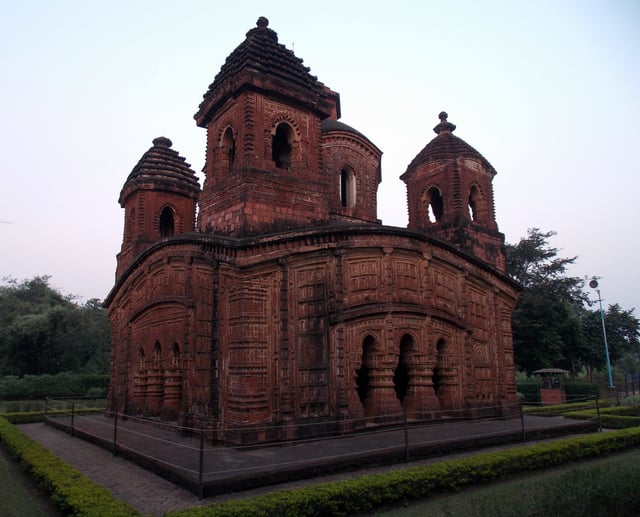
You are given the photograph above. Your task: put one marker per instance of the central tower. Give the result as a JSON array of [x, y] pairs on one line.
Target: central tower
[[263, 115]]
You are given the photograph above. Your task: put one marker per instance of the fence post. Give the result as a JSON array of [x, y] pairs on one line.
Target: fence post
[[201, 467], [598, 413], [524, 432], [406, 437], [115, 434], [73, 411], [46, 404]]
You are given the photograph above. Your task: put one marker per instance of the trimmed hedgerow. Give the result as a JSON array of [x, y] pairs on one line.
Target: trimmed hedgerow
[[575, 389], [362, 495], [70, 491], [618, 417], [38, 416], [561, 409]]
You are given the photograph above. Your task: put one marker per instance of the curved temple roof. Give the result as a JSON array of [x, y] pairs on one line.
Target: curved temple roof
[[261, 53], [163, 167], [447, 146]]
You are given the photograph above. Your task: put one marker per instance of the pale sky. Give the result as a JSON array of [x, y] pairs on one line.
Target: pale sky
[[548, 91]]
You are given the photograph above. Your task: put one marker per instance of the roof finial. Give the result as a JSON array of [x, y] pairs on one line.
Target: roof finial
[[262, 22], [162, 141], [444, 126]]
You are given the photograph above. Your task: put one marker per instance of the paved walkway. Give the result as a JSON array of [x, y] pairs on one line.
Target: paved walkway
[[226, 469]]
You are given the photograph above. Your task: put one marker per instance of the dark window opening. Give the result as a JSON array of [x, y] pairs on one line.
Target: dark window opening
[[363, 378], [166, 222], [141, 360], [281, 146], [175, 356], [347, 188], [228, 148], [436, 205], [157, 355], [473, 207]]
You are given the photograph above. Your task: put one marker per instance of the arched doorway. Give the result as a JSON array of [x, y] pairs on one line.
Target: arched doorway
[[363, 377], [438, 371], [401, 373]]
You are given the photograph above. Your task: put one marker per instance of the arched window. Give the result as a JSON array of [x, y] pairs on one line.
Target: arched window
[[281, 146], [141, 360], [175, 356], [433, 199], [477, 208], [157, 355], [347, 188], [228, 148], [166, 222]]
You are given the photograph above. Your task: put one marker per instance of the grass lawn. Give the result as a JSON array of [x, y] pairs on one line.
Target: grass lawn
[[19, 496], [563, 491]]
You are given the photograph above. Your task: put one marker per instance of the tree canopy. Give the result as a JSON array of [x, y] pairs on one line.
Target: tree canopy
[[42, 331], [554, 324]]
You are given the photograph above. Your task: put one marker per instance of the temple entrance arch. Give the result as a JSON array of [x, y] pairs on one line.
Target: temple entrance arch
[[401, 375], [441, 349], [363, 378]]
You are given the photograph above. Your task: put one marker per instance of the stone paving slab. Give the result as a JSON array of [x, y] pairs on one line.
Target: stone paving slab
[[229, 469]]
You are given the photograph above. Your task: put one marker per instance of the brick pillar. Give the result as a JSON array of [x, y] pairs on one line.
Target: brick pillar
[[381, 396], [420, 397], [139, 392], [172, 394], [155, 391]]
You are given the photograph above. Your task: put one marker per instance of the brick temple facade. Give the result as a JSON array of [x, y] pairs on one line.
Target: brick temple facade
[[284, 308]]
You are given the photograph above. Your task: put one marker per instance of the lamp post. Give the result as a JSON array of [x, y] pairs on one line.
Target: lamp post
[[594, 285]]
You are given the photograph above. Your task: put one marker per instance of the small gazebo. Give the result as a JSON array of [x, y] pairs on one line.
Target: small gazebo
[[552, 385]]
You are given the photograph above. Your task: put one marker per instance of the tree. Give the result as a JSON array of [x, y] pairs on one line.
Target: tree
[[42, 331], [553, 324], [547, 329], [623, 339]]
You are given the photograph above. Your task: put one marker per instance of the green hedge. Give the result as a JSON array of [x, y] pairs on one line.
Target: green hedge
[[618, 417], [367, 493], [581, 389], [561, 409], [59, 385], [38, 416], [530, 390], [70, 491]]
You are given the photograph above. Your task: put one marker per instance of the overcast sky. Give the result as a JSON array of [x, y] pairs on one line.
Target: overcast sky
[[548, 91]]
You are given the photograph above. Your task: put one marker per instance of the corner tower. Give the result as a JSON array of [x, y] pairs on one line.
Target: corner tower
[[450, 196], [263, 115], [159, 199]]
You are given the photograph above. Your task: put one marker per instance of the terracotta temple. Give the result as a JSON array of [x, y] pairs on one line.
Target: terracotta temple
[[271, 303]]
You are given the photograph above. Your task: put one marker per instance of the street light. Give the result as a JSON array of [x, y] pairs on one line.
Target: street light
[[594, 285]]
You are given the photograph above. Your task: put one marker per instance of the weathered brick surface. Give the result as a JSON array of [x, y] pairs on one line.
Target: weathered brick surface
[[291, 304]]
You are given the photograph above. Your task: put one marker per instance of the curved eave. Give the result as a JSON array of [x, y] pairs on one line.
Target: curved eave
[[356, 136], [208, 240], [189, 191], [251, 80]]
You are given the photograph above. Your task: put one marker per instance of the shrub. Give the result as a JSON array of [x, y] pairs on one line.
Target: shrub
[[70, 491], [530, 391], [630, 400], [59, 385], [561, 409], [576, 390]]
